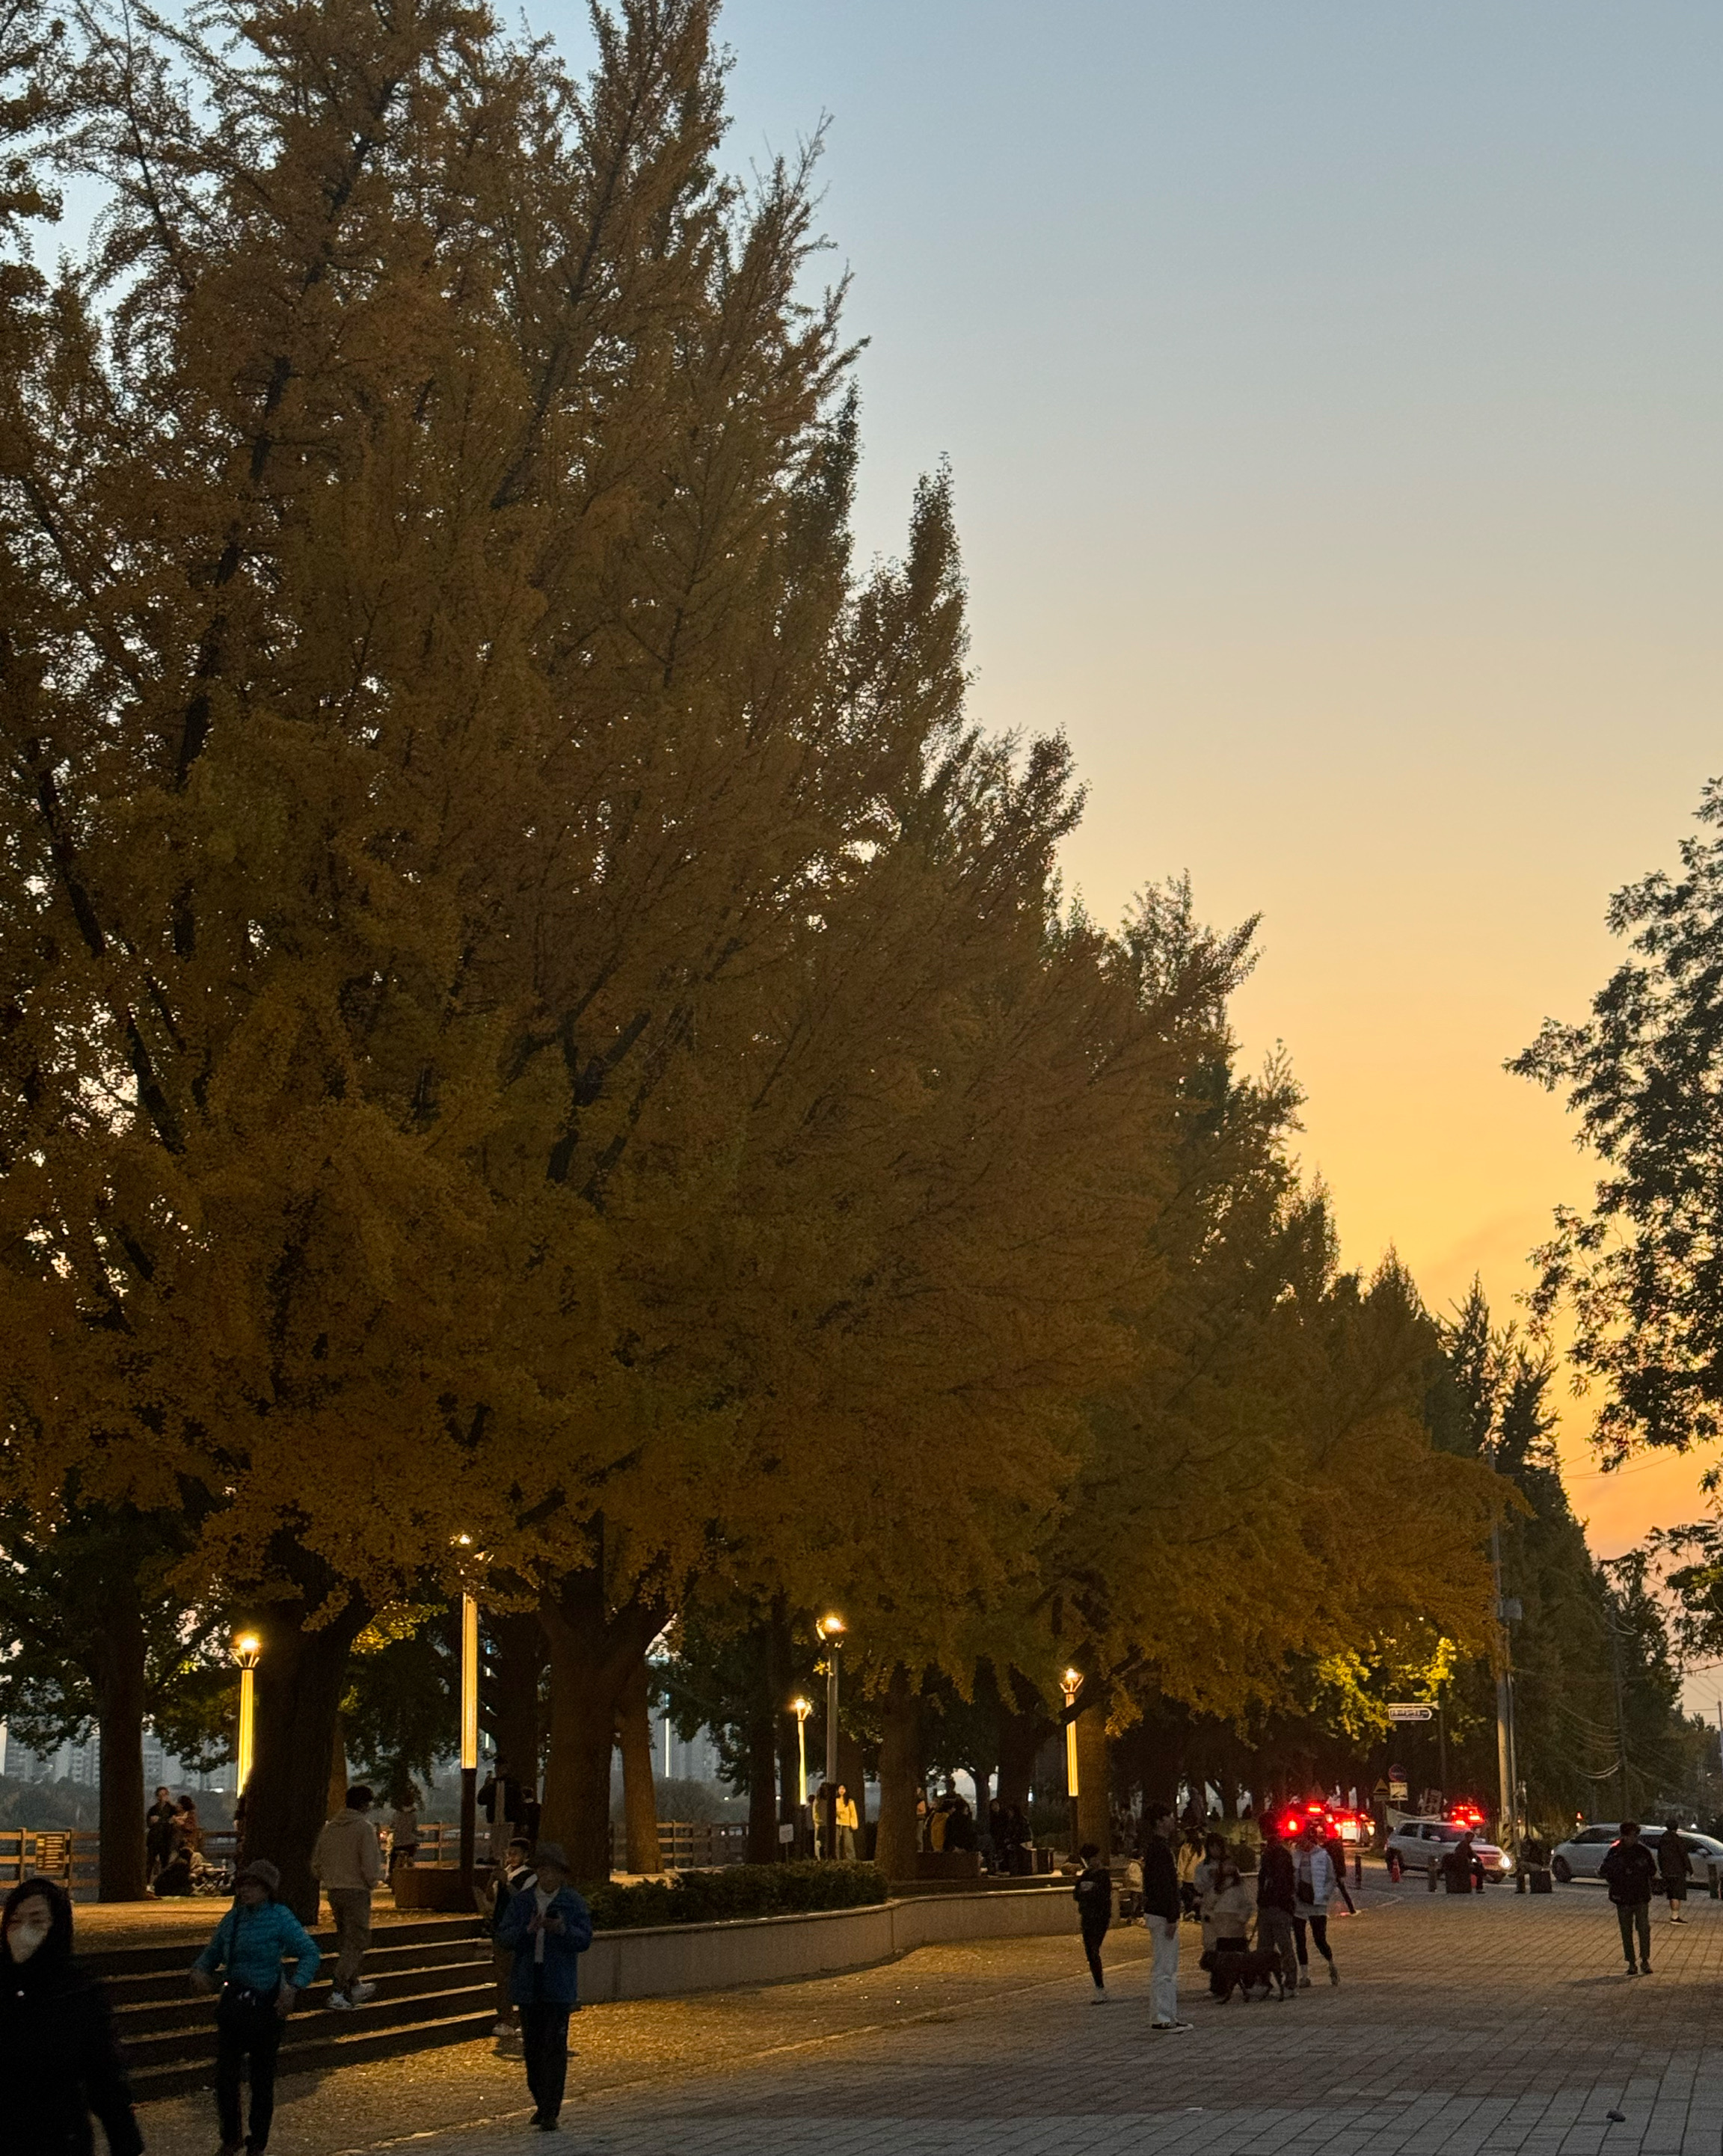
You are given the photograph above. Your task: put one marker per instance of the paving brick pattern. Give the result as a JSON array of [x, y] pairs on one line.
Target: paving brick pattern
[[1472, 2027]]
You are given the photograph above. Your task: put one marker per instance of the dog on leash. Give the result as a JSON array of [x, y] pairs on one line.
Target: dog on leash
[[1253, 1971]]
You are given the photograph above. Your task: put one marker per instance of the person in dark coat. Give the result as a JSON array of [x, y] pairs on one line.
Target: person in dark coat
[[1630, 1872], [1277, 1905], [1094, 1894], [59, 2060], [1675, 1867], [547, 1927], [158, 1830]]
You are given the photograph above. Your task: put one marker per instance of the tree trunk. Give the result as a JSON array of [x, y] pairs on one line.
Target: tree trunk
[[120, 1705], [299, 1678], [1095, 1797], [640, 1796], [518, 1640], [779, 1663], [900, 1778], [594, 1650], [762, 1785], [1020, 1738], [982, 1779]]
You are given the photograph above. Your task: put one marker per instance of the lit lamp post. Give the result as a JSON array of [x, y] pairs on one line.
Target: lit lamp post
[[830, 1629], [801, 1709], [1071, 1684], [468, 1727], [246, 1650]]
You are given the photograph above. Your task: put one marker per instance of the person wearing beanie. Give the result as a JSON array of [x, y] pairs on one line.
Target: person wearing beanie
[[258, 1936], [58, 2058], [548, 1929]]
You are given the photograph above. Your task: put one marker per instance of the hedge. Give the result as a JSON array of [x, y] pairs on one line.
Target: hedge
[[736, 1890]]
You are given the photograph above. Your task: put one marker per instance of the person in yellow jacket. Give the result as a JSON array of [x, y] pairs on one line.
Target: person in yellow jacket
[[847, 1823]]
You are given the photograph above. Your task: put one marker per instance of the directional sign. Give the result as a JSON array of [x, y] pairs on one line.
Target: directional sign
[[1409, 1712]]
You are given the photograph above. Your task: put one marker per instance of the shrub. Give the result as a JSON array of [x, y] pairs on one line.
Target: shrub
[[736, 1890]]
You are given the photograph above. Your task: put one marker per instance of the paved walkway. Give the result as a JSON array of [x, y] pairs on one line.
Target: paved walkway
[[1488, 2026]]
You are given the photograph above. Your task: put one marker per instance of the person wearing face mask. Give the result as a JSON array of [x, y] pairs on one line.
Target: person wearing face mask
[[58, 2058], [251, 1943]]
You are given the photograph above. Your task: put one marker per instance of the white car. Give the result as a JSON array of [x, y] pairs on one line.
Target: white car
[[1579, 1856], [1415, 1845]]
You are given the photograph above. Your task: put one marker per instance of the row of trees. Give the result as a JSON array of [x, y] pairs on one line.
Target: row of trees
[[540, 1050]]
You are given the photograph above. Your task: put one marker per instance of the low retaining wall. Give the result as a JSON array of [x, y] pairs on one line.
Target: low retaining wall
[[670, 1958]]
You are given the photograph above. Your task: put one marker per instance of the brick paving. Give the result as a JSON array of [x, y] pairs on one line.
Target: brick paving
[[1498, 2025]]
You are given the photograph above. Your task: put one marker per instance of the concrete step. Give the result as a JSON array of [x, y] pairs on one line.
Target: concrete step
[[180, 2008], [332, 2040]]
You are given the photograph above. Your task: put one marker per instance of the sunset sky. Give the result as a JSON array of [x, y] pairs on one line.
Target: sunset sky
[[1333, 396]]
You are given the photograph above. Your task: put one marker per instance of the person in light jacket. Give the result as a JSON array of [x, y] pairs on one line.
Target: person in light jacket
[[847, 1821], [58, 2058], [1227, 1909], [348, 1862], [1319, 1883], [548, 1929]]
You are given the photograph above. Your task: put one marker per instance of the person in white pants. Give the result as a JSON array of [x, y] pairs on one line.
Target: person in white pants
[[1161, 1915]]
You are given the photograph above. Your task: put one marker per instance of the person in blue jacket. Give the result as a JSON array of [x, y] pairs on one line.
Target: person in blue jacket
[[252, 1943], [547, 1927]]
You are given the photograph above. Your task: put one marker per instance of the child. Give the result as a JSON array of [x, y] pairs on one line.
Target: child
[[1094, 1895]]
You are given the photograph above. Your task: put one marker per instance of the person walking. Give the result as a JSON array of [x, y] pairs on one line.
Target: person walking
[[548, 1929], [248, 1954], [1675, 1867], [1094, 1894], [158, 1831], [348, 1862], [1277, 1905], [59, 2060], [515, 1877], [1161, 1918], [1630, 1871], [1318, 1884], [847, 1823]]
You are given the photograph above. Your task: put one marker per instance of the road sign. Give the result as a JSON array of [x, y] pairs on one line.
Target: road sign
[[1410, 1712]]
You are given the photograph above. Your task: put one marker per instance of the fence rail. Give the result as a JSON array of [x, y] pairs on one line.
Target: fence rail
[[73, 1854]]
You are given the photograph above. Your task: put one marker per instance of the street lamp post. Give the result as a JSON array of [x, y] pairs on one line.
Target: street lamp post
[[246, 1650], [830, 1629], [801, 1709], [1071, 1684], [468, 1733]]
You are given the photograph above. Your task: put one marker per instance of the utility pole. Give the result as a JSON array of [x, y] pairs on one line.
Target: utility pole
[[1506, 1766], [1621, 1715]]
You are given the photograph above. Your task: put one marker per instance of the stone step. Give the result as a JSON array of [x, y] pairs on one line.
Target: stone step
[[180, 2008], [332, 2040]]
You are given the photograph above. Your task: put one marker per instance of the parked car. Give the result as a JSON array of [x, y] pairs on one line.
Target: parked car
[[1415, 1845], [1579, 1856]]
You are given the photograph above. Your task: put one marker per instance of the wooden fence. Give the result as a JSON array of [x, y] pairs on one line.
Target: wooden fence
[[72, 1856]]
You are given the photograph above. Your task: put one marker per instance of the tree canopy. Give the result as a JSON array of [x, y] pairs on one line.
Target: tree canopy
[[541, 1047]]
